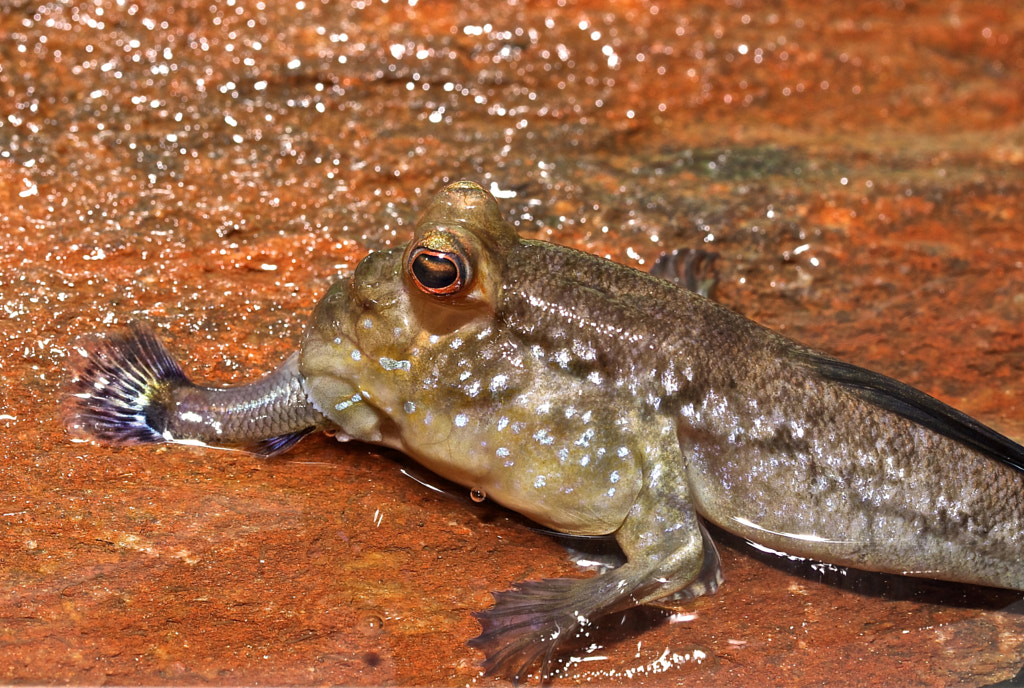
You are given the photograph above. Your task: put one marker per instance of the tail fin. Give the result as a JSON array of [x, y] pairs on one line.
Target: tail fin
[[120, 388], [125, 388]]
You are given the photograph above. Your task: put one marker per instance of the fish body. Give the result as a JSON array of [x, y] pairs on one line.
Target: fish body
[[599, 400]]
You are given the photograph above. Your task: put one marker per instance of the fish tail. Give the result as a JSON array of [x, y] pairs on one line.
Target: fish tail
[[126, 388], [121, 388]]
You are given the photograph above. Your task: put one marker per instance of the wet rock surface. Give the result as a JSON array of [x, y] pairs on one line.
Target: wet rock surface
[[213, 167]]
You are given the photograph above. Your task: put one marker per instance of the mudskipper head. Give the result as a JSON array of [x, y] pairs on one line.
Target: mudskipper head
[[377, 344]]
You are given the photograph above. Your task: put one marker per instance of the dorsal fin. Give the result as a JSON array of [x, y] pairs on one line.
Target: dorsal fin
[[913, 404]]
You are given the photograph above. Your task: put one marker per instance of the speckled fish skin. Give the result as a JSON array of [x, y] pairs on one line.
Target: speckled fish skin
[[596, 399]]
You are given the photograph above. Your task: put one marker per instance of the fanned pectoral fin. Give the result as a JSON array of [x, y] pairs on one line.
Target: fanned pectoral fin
[[528, 623], [668, 552], [533, 619]]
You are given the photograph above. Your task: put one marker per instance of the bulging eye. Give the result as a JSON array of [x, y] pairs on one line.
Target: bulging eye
[[438, 272]]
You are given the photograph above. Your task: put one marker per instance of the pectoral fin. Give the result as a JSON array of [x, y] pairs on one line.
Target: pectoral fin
[[667, 551]]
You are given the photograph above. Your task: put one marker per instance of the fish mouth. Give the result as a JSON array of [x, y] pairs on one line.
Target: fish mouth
[[331, 390], [331, 364]]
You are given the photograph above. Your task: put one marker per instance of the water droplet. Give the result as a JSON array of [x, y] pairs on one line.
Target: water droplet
[[370, 624], [477, 495]]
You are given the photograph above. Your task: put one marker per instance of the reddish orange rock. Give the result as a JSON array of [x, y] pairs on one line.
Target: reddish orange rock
[[212, 168]]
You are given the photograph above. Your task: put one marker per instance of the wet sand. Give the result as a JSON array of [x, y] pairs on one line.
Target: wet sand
[[213, 167]]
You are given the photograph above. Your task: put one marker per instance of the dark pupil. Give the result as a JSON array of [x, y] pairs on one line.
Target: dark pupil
[[435, 272]]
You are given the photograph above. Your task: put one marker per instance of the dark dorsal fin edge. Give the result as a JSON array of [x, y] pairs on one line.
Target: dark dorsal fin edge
[[912, 404]]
